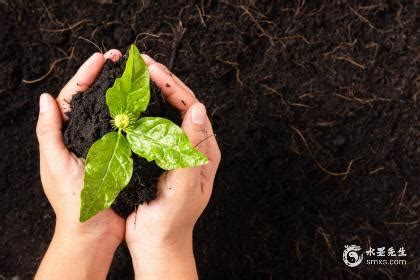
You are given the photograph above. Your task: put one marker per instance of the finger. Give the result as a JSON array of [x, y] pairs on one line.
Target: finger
[[48, 128], [83, 78], [194, 125], [150, 60], [175, 94], [113, 54], [185, 179], [197, 126]]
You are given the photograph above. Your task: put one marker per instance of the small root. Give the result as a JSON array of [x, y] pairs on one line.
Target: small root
[[294, 37], [178, 32], [200, 14], [93, 43], [234, 65], [71, 27], [320, 166], [349, 59], [376, 170], [365, 20], [52, 66], [400, 203], [257, 24]]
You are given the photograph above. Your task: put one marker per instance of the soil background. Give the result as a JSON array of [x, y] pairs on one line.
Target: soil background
[[316, 109]]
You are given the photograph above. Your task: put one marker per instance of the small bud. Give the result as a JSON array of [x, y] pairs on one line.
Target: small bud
[[122, 121]]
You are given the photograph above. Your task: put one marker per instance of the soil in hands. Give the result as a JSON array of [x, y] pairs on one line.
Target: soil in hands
[[90, 120]]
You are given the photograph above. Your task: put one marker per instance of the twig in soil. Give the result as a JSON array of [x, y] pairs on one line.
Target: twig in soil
[[381, 6], [294, 37], [402, 223], [300, 105], [341, 46], [92, 35], [398, 16], [49, 70], [361, 100], [52, 18], [93, 43], [299, 8], [179, 32], [401, 201], [236, 66], [258, 25], [344, 174], [362, 18], [201, 16], [349, 59], [376, 170], [320, 166], [151, 35], [73, 26]]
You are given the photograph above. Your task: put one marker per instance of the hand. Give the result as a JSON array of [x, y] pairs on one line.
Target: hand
[[78, 250], [159, 235]]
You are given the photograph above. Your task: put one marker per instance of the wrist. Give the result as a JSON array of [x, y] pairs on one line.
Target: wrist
[[87, 240], [85, 255], [106, 230], [160, 257]]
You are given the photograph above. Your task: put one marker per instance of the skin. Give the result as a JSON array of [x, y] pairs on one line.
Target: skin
[[159, 235]]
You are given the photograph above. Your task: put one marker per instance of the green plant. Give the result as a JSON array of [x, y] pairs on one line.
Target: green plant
[[109, 165]]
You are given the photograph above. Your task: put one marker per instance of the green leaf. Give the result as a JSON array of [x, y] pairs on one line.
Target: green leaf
[[161, 140], [108, 170], [131, 92]]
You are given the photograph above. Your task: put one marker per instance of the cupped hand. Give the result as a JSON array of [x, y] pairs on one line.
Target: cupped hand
[[62, 179], [159, 234]]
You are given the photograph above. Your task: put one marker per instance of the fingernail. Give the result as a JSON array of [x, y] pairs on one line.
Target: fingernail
[[113, 54], [147, 58], [198, 114], [44, 103], [152, 68]]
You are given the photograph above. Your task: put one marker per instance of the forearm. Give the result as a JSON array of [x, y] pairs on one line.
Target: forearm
[[173, 261], [77, 256]]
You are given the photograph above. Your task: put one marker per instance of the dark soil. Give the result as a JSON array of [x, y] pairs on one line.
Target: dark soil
[[90, 120], [316, 109]]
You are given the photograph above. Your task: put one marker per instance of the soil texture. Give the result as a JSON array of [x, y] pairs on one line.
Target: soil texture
[[315, 105], [89, 120]]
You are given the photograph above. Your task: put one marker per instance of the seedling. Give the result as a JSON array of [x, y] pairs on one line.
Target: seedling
[[109, 165]]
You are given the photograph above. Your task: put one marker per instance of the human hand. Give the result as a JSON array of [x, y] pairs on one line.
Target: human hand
[[87, 247], [159, 234]]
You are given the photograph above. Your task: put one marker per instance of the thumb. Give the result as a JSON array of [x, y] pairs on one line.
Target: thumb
[[194, 125], [48, 128]]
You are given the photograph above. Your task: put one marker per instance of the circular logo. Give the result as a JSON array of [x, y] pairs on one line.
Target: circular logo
[[351, 256]]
